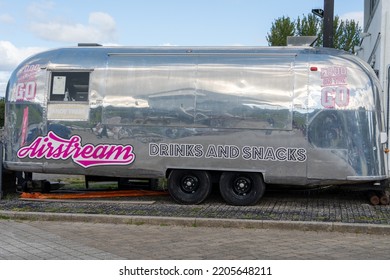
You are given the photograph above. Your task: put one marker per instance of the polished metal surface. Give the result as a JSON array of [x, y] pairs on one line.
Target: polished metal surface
[[298, 115]]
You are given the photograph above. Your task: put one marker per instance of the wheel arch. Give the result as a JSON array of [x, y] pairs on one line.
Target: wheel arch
[[216, 173]]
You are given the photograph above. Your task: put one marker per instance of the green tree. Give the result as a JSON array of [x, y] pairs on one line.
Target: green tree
[[349, 35], [346, 33], [280, 30], [2, 106], [308, 26]]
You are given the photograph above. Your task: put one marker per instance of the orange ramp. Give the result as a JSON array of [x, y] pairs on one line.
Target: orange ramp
[[96, 194]]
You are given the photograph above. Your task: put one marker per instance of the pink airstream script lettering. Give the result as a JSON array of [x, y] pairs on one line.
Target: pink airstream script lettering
[[53, 146]]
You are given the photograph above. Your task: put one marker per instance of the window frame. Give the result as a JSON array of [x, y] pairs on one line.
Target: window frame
[[70, 74]]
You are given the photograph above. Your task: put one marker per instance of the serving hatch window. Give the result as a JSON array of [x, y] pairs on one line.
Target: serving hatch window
[[69, 86]]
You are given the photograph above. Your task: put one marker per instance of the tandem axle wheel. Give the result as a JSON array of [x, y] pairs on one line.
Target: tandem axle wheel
[[236, 188]]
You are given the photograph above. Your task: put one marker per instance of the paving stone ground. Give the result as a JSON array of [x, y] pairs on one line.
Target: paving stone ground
[[321, 205], [56, 239], [68, 240]]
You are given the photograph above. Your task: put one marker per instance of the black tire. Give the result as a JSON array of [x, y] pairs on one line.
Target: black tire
[[46, 187], [25, 187], [189, 186], [241, 188]]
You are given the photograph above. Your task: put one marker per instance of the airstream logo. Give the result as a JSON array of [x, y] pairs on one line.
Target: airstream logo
[[54, 147]]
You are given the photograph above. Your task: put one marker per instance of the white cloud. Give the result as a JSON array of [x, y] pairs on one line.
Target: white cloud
[[4, 76], [356, 16], [40, 9], [101, 28], [6, 18], [102, 21], [168, 45], [11, 56]]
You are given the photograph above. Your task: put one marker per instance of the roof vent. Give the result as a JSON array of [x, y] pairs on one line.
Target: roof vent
[[88, 45], [301, 40]]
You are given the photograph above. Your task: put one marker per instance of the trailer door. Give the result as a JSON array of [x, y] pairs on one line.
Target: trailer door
[[328, 153]]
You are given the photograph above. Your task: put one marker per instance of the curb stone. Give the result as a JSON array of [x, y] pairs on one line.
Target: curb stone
[[200, 222]]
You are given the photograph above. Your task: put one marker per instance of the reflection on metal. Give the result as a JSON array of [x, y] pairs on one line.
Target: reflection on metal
[[231, 91], [220, 109]]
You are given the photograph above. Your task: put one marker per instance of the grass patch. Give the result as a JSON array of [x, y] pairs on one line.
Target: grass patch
[[4, 217], [11, 196]]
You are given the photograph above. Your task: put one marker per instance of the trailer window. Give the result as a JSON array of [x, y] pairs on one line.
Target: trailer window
[[69, 86]]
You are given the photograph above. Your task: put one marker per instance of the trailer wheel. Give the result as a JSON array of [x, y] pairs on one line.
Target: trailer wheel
[[189, 186], [241, 188], [46, 187]]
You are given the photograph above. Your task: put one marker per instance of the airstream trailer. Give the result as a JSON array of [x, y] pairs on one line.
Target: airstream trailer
[[239, 117]]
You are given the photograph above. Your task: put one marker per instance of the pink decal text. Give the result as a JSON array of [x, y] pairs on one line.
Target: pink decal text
[[54, 147], [26, 89], [334, 76], [335, 92]]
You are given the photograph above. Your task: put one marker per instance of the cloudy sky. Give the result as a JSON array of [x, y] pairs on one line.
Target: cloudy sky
[[29, 26]]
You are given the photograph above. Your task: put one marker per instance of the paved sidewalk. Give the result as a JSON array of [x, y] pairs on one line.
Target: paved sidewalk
[[324, 224], [23, 241], [76, 240]]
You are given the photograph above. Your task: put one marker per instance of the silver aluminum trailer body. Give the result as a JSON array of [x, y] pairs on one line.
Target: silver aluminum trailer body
[[243, 117]]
